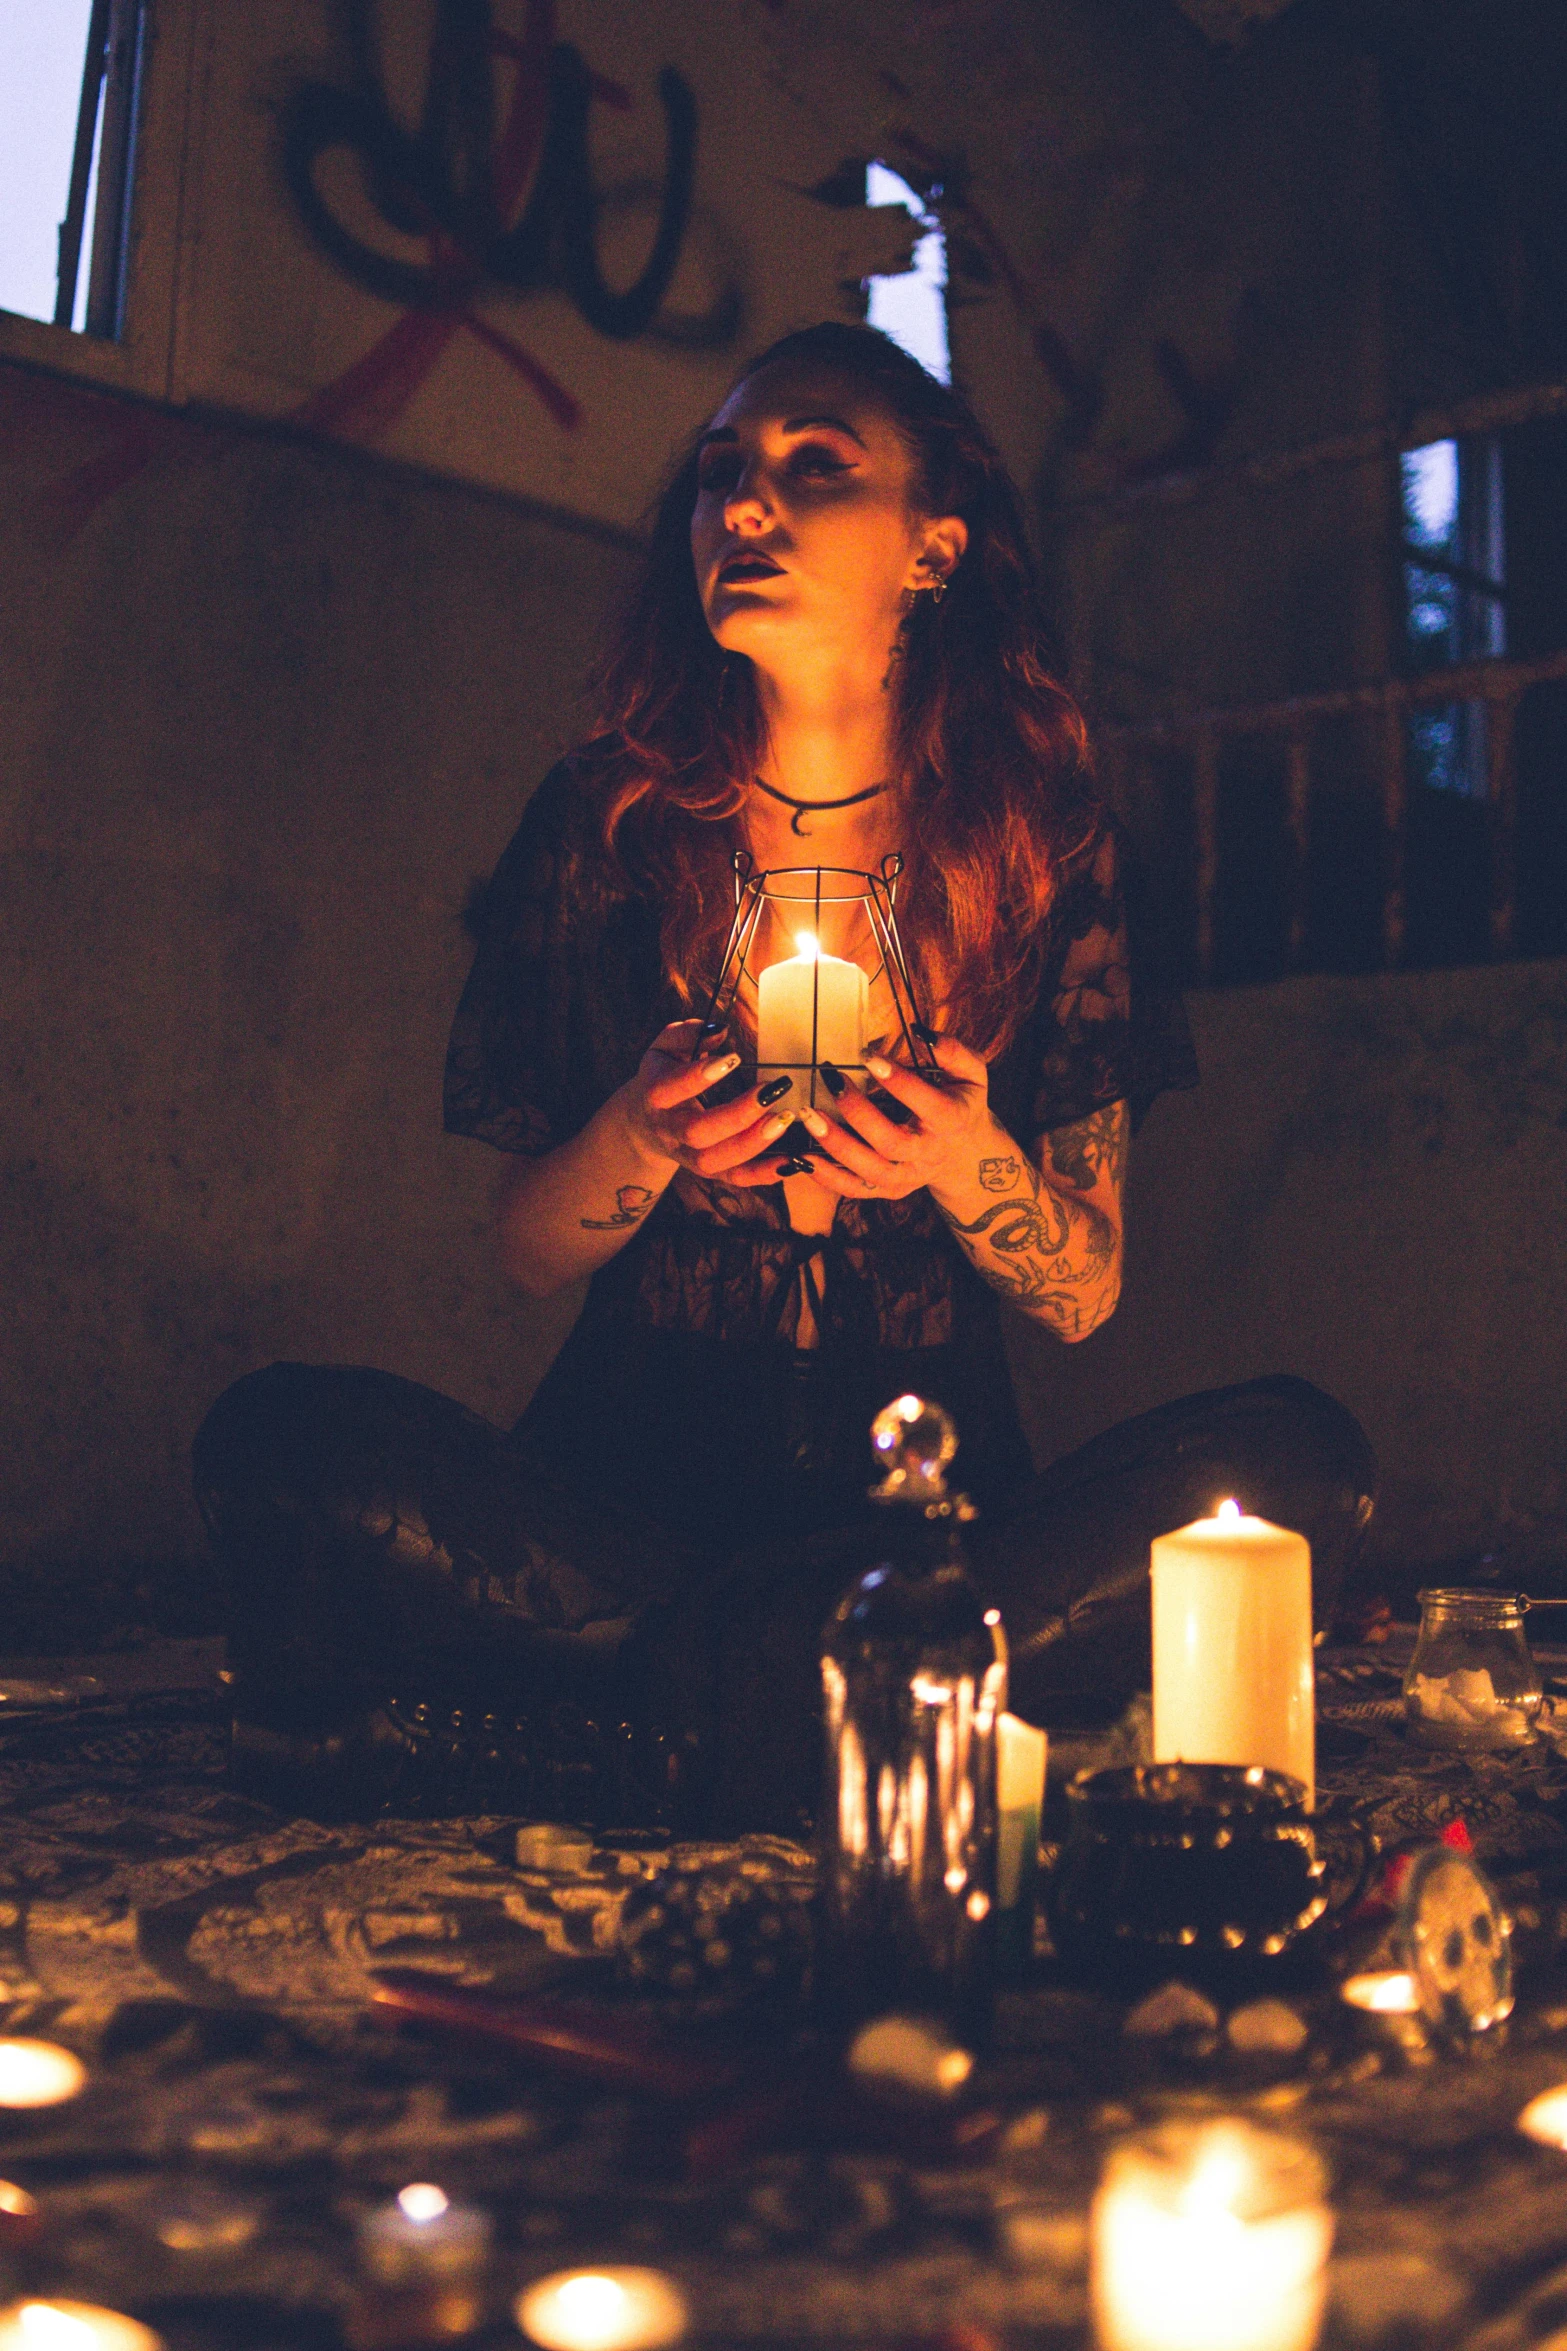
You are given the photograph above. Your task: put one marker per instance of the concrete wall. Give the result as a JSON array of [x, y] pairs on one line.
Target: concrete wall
[[272, 708], [263, 725], [266, 721], [1367, 1190]]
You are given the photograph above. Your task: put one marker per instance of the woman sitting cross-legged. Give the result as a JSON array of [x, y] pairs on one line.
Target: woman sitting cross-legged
[[832, 659]]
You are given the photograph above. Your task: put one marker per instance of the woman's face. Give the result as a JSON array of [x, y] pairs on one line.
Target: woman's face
[[804, 536]]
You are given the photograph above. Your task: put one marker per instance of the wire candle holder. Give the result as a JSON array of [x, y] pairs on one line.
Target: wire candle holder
[[844, 897]]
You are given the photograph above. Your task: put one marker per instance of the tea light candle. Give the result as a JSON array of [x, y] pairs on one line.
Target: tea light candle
[[421, 2236], [1209, 2237], [1545, 2118], [1232, 1660], [1384, 1992], [38, 2073], [812, 1008], [603, 2310], [18, 2215], [72, 2326]]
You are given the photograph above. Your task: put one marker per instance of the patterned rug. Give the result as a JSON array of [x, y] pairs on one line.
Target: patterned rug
[[213, 1963]]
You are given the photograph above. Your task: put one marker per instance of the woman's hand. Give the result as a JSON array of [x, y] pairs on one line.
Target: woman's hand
[[950, 1130], [669, 1125]]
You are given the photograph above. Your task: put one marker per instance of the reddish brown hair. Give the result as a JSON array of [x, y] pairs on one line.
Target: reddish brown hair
[[992, 749]]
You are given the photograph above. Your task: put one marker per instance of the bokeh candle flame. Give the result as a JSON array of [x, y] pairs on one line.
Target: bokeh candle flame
[[603, 2310], [72, 2326], [38, 2073]]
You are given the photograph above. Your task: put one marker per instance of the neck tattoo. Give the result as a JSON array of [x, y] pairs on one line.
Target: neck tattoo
[[810, 807]]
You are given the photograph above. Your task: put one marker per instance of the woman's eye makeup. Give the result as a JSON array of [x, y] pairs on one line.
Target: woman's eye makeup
[[720, 469], [815, 458]]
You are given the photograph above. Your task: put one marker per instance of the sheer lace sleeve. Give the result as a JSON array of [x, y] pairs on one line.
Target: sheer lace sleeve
[[1107, 1027], [565, 989]]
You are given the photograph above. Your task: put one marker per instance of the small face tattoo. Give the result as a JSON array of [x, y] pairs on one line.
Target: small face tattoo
[[999, 1175]]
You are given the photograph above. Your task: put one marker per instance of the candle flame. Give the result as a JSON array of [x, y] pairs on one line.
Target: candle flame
[[1221, 2177], [807, 946], [53, 2330], [594, 2309], [1545, 2118], [1229, 1510], [1388, 1993], [423, 2201]]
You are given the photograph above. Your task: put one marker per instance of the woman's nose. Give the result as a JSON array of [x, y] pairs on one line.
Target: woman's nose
[[746, 507]]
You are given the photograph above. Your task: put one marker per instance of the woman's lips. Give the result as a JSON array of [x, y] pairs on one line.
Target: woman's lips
[[748, 567]]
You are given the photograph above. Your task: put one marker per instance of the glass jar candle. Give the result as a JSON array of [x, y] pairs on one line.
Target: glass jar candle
[[1471, 1681], [1210, 2236]]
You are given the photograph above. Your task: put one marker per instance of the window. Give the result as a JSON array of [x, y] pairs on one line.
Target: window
[[70, 73], [1454, 597], [912, 307]]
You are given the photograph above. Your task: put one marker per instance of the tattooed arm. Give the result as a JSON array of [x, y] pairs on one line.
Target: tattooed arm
[[1049, 1235], [566, 1214], [1044, 1231]]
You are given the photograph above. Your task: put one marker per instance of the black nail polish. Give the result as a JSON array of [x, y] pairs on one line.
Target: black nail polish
[[773, 1091], [833, 1079]]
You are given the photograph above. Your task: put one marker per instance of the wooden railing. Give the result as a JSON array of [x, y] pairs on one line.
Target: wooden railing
[[1500, 685]]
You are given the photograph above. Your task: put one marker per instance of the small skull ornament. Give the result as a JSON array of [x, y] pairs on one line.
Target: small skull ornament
[[1457, 1944]]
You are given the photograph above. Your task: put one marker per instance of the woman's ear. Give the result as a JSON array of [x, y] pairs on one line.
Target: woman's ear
[[941, 552]]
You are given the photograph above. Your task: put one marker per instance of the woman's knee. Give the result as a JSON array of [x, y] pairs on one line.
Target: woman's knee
[[357, 1452]]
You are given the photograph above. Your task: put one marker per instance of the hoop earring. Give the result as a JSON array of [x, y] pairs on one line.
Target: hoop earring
[[938, 588]]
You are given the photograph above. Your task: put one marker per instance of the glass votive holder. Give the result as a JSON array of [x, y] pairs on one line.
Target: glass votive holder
[[1210, 2236], [424, 2269], [1472, 1683]]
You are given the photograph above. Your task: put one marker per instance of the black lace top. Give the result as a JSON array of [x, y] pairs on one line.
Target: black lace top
[[681, 1390]]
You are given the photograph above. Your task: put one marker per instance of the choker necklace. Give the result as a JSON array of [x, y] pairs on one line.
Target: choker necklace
[[810, 807]]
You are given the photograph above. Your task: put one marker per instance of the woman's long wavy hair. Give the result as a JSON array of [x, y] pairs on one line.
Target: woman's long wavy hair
[[992, 750]]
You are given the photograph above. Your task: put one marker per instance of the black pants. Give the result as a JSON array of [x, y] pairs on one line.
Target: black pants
[[392, 1558]]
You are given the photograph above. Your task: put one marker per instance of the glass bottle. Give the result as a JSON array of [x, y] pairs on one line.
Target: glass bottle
[[1471, 1681], [914, 1683]]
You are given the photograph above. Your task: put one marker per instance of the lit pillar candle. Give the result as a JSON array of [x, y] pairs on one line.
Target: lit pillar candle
[[1209, 2237], [812, 998], [38, 2073], [1232, 1665], [603, 2310], [72, 2326], [1021, 1753]]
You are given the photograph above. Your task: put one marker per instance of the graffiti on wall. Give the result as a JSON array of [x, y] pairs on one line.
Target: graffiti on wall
[[513, 208]]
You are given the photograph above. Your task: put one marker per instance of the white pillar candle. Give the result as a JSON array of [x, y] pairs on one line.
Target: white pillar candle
[[1020, 1795], [72, 2326], [811, 1000], [38, 2073], [1232, 1660], [603, 2310], [1209, 2237]]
